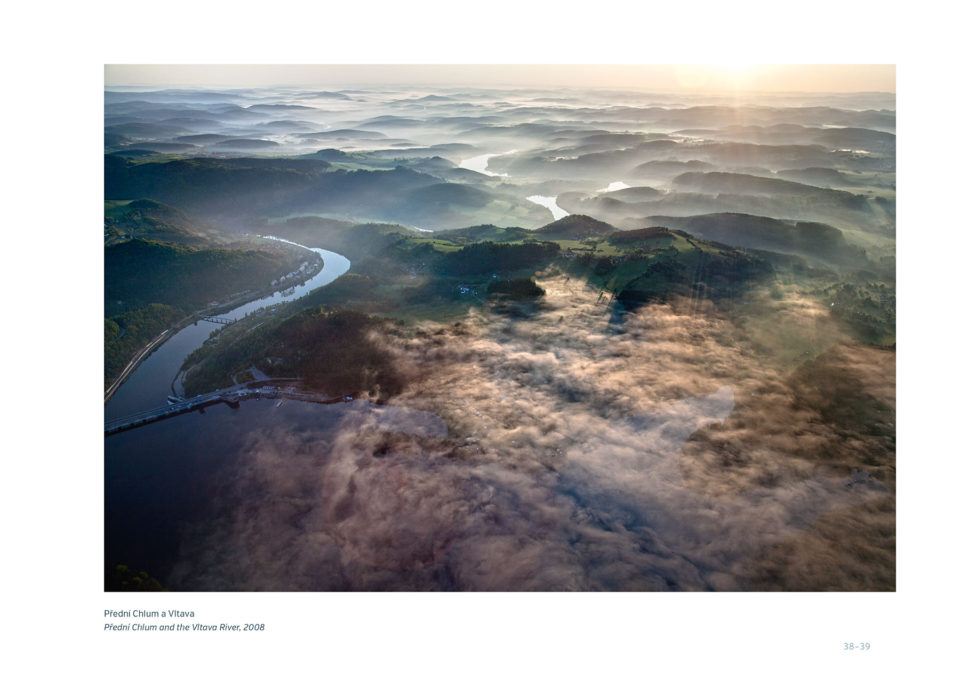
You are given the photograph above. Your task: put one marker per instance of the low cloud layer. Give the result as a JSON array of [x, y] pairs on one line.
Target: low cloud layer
[[572, 448]]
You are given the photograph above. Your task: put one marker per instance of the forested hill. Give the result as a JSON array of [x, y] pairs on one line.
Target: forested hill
[[140, 272], [211, 185], [145, 218], [150, 285]]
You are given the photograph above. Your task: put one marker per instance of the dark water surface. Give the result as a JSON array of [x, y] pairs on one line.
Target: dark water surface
[[160, 478]]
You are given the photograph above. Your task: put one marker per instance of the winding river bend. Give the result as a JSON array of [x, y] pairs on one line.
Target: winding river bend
[[550, 203], [148, 385], [479, 163], [161, 480]]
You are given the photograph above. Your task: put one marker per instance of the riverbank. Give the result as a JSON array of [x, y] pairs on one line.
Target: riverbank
[[244, 297], [132, 365], [147, 377]]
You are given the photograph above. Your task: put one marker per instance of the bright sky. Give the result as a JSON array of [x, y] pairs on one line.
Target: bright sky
[[702, 78]]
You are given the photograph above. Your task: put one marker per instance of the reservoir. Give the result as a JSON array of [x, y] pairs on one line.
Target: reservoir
[[162, 478], [167, 485]]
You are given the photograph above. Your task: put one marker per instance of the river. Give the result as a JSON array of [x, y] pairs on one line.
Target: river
[[148, 385], [249, 497], [550, 203], [479, 163], [165, 481], [614, 186], [162, 478]]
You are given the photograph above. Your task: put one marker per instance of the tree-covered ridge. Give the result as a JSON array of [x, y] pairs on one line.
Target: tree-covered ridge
[[489, 256], [870, 309], [151, 286], [145, 218], [406, 275], [211, 184], [816, 240], [140, 272], [332, 352], [518, 288], [394, 270]]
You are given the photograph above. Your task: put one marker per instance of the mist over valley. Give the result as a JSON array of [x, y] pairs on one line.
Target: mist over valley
[[499, 339]]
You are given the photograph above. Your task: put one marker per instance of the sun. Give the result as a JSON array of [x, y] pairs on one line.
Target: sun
[[736, 67], [723, 76]]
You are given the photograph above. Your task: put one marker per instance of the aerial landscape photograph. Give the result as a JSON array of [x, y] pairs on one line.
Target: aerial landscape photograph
[[410, 333]]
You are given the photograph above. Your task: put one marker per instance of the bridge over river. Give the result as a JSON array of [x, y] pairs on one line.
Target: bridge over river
[[231, 397], [219, 319]]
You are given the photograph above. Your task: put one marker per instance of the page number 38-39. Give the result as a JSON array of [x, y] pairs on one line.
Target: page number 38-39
[[856, 646]]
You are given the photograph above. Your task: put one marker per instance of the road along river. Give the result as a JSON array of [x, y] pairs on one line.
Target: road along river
[[148, 386], [166, 482]]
